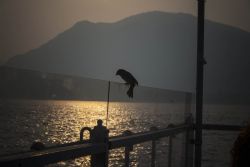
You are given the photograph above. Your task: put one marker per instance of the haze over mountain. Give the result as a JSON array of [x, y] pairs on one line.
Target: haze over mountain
[[158, 48]]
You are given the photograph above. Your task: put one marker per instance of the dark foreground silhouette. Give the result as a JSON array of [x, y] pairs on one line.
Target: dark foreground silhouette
[[129, 79], [241, 149], [99, 135]]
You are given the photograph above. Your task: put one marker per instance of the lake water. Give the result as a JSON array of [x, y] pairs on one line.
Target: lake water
[[56, 122]]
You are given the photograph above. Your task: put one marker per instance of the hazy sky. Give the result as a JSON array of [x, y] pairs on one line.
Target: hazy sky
[[27, 24]]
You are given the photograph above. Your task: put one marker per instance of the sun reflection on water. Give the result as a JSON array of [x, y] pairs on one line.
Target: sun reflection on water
[[57, 122]]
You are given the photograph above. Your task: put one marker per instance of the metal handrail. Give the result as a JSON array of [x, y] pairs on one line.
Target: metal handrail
[[52, 155], [62, 153], [136, 138]]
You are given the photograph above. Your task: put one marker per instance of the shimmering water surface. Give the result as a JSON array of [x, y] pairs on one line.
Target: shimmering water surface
[[55, 122]]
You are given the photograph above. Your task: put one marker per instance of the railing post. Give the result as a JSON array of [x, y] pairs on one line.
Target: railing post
[[127, 151], [170, 151], [99, 135], [153, 148], [189, 136], [189, 144], [127, 148], [170, 147]]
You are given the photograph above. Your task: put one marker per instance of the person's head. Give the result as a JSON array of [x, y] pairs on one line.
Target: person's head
[[241, 149], [99, 122]]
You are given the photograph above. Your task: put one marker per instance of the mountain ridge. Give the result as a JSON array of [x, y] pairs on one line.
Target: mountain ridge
[[169, 38]]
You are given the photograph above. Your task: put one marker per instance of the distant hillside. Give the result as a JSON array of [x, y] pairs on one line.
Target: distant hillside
[[158, 48], [27, 84]]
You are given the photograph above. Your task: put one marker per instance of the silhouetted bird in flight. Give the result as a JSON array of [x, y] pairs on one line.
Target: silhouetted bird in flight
[[129, 79]]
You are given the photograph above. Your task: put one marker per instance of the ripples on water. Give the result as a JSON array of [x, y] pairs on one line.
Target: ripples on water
[[57, 122]]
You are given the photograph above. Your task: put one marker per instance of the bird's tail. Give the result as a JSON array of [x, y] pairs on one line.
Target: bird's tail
[[130, 91]]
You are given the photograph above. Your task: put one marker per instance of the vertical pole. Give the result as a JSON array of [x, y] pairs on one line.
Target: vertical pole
[[153, 156], [189, 136], [107, 116], [153, 153], [127, 152], [128, 148], [189, 150], [170, 145], [199, 83]]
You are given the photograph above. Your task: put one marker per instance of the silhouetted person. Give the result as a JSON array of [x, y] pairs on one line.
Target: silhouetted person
[[129, 79], [99, 135], [241, 149]]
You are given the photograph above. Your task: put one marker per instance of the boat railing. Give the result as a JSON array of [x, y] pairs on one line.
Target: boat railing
[[70, 151]]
